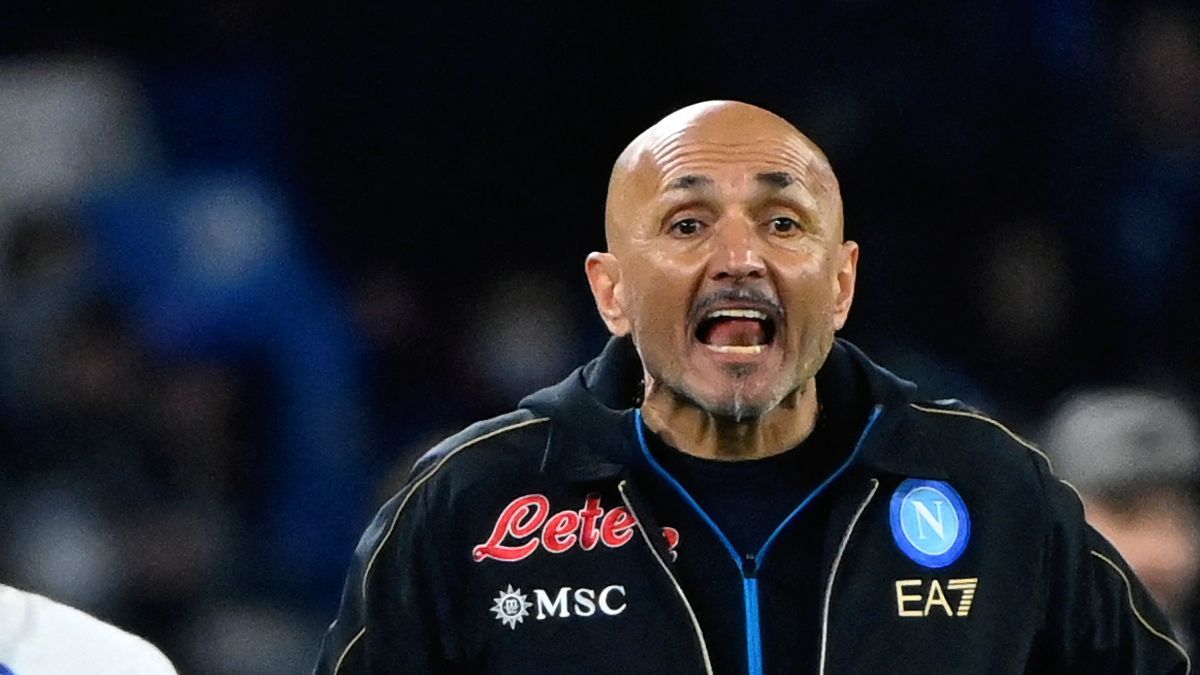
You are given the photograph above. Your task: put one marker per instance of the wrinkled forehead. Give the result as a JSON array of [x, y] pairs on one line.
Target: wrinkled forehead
[[718, 145], [752, 146]]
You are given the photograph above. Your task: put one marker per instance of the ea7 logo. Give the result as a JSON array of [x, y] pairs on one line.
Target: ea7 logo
[[914, 598]]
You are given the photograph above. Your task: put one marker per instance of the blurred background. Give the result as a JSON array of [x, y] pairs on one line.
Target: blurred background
[[255, 256]]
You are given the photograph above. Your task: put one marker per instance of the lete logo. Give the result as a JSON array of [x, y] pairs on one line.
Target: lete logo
[[526, 524]]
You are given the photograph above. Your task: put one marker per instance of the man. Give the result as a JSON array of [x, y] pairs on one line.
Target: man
[[727, 488], [41, 637], [1134, 455]]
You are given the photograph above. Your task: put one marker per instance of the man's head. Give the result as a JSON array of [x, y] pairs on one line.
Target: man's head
[[1134, 456], [726, 260]]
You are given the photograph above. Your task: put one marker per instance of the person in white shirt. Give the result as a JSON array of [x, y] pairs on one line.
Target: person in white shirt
[[41, 637]]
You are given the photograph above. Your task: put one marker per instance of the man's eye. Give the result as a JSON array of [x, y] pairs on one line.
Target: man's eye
[[686, 227], [784, 225]]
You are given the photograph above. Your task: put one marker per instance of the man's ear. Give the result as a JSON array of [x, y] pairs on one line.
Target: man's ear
[[604, 276], [844, 280]]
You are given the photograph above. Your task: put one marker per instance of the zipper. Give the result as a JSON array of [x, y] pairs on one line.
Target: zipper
[[708, 669], [753, 629], [750, 564], [837, 561]]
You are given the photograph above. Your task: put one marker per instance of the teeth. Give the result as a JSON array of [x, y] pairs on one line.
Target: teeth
[[731, 349], [738, 314]]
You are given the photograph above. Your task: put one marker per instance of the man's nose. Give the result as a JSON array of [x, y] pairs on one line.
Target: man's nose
[[737, 255]]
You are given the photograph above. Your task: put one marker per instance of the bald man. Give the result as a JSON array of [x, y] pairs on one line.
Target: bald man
[[728, 488]]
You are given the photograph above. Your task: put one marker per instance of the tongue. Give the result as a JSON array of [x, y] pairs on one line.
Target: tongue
[[736, 333]]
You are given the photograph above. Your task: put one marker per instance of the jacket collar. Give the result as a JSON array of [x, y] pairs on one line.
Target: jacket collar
[[592, 436], [892, 445]]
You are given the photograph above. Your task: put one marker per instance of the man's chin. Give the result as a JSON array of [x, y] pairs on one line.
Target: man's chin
[[740, 411], [739, 401]]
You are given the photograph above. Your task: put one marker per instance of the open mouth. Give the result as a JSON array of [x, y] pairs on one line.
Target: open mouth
[[736, 331]]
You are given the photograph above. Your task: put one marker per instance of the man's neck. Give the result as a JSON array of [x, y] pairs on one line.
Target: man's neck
[[691, 429]]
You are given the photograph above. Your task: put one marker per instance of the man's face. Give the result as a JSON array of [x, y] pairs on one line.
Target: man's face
[[732, 273], [1155, 531]]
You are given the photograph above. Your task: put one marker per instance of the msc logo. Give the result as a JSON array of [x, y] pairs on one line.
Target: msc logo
[[512, 606], [914, 599], [929, 522]]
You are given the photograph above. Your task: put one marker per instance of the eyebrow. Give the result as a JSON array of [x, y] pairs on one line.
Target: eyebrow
[[776, 179], [690, 181]]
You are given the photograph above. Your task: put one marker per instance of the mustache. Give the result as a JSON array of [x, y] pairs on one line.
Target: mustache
[[747, 296]]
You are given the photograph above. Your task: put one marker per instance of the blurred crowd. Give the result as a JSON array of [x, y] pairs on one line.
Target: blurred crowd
[[253, 261]]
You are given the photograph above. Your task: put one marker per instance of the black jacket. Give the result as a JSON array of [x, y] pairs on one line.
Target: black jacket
[[544, 541]]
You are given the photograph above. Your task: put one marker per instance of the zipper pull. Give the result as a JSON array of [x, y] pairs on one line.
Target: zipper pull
[[749, 566]]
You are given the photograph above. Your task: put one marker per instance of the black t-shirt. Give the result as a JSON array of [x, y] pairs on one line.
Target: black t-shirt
[[748, 499]]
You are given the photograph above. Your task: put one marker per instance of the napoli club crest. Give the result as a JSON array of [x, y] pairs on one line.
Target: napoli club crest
[[929, 522]]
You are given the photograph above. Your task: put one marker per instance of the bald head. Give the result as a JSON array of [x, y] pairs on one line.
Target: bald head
[[673, 153], [725, 205]]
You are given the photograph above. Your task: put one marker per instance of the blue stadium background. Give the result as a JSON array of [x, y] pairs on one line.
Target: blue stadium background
[[254, 256]]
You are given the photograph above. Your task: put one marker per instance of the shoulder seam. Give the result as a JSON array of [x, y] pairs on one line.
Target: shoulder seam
[[1009, 432], [404, 502], [984, 418], [354, 640], [1138, 615]]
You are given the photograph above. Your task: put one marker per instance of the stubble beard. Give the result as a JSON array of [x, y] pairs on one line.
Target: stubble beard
[[738, 406]]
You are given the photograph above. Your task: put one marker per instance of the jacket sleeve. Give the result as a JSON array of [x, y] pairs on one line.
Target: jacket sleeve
[[395, 609], [1098, 616]]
